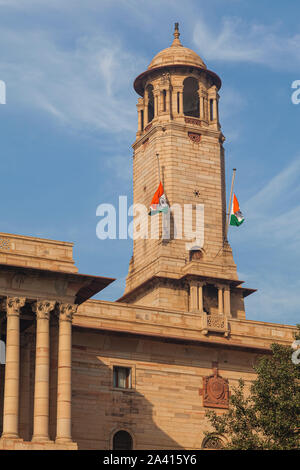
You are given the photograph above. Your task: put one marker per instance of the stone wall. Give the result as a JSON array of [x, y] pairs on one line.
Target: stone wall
[[164, 409]]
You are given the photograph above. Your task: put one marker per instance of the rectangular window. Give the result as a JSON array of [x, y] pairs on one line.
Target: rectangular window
[[122, 377]]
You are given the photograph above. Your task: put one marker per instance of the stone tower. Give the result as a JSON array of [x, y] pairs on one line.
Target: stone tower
[[178, 119]]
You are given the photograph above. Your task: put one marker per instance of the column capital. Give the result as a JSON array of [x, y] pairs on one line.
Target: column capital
[[219, 285], [213, 91], [12, 305], [201, 283], [42, 308], [66, 311]]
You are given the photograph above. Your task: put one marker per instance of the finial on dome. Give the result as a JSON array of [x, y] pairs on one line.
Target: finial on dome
[[176, 35]]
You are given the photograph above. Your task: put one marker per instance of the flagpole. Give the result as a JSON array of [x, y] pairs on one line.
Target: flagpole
[[230, 201], [157, 156]]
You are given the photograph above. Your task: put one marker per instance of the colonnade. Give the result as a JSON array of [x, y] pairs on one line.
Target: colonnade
[[169, 100], [11, 409], [196, 297]]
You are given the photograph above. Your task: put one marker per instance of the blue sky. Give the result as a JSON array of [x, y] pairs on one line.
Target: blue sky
[[70, 120]]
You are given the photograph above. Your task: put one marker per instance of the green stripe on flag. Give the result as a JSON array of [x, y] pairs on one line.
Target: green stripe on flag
[[235, 221]]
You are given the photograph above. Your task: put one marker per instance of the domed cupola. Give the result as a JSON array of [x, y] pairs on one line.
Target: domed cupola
[[176, 57], [177, 54]]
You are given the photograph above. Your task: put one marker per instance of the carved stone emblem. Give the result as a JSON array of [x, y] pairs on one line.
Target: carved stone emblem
[[165, 78], [148, 127], [215, 391], [194, 137]]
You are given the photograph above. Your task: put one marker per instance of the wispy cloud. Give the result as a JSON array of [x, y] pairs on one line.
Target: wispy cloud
[[231, 105], [121, 165], [84, 85], [276, 300], [274, 212], [270, 239], [237, 40]]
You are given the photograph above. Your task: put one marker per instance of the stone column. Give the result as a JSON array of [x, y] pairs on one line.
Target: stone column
[[201, 104], [176, 100], [12, 306], [206, 110], [227, 309], [215, 110], [146, 119], [200, 296], [156, 102], [53, 376], [193, 296], [168, 101], [139, 121], [64, 388], [42, 360], [220, 299], [140, 108], [181, 102]]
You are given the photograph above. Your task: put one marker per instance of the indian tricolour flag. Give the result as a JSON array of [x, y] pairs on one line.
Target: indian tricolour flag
[[236, 217], [159, 202]]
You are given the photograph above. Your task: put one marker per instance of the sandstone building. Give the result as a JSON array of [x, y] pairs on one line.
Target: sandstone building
[[139, 372]]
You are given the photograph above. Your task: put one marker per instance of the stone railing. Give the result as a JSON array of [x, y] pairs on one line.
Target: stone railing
[[214, 323], [4, 244]]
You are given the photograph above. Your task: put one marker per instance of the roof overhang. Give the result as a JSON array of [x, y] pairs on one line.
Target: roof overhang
[[139, 82], [233, 283], [86, 286]]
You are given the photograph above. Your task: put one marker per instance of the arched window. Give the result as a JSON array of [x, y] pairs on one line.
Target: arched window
[[212, 442], [150, 103], [191, 97], [122, 440]]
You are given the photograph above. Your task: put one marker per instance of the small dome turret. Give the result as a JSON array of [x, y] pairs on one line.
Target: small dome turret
[[176, 54], [176, 57]]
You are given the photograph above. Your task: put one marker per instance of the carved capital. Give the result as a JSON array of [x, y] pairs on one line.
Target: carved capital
[[66, 311], [42, 308], [12, 305]]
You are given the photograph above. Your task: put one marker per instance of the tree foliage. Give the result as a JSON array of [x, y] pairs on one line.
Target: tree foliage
[[267, 418]]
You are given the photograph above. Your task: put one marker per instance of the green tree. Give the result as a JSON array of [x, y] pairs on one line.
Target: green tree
[[267, 418]]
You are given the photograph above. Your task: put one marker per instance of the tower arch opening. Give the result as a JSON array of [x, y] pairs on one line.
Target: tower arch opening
[[150, 103], [122, 440], [191, 97], [164, 100]]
